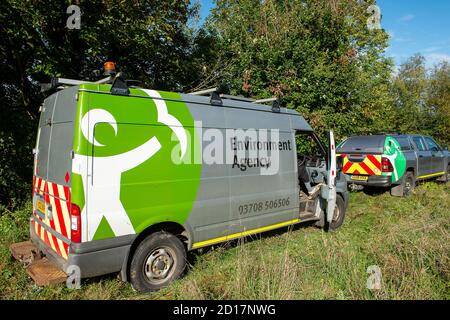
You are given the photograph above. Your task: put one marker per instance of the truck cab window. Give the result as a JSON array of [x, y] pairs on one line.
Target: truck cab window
[[419, 143], [432, 145], [404, 143]]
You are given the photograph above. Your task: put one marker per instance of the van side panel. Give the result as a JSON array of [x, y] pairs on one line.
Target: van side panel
[[234, 196], [210, 216]]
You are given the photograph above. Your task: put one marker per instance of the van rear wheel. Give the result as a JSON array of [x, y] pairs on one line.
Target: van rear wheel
[[158, 260]]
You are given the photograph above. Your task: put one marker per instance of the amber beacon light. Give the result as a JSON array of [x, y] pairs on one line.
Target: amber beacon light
[[109, 67]]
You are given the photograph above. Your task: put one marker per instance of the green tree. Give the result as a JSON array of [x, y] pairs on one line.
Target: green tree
[[438, 103], [151, 41], [422, 98], [409, 90], [318, 56]]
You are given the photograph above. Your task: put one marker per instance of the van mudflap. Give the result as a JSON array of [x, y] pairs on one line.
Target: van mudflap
[[41, 270]]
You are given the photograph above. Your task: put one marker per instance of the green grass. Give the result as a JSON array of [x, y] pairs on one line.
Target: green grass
[[408, 238]]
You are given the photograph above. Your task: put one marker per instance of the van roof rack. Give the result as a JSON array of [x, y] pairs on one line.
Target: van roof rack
[[58, 82], [222, 95], [230, 97], [120, 87]]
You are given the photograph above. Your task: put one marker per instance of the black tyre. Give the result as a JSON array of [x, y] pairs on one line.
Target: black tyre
[[158, 260], [409, 183], [339, 214], [447, 174]]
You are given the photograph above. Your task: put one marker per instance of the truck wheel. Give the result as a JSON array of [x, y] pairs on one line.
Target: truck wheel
[[409, 183], [339, 214], [447, 175], [158, 260]]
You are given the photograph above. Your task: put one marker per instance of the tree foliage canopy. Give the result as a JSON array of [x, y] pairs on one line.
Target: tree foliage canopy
[[151, 41], [317, 55]]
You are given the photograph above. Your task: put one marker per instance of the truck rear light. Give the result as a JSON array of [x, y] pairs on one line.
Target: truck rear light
[[386, 165], [75, 223]]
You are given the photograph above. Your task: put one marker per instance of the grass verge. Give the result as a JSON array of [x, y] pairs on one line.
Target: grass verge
[[406, 238]]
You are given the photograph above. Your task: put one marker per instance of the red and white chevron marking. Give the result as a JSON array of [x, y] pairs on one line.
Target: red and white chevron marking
[[58, 196]]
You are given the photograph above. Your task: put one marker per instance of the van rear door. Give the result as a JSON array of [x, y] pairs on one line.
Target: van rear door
[[53, 169]]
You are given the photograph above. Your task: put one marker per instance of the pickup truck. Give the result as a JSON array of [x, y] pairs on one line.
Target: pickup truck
[[397, 161]]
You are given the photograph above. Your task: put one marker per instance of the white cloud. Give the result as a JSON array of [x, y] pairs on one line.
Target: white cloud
[[435, 58], [407, 18]]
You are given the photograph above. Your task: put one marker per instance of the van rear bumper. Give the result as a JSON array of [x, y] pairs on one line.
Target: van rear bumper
[[374, 181], [94, 258]]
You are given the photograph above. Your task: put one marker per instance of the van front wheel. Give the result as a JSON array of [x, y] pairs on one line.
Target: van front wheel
[[339, 214], [158, 260]]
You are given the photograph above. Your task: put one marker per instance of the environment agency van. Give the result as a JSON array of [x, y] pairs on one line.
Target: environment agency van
[[129, 179]]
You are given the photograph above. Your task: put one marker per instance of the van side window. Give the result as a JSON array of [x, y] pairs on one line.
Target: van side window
[[418, 141], [432, 145], [404, 143]]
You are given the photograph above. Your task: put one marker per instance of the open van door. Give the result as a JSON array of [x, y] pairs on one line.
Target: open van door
[[331, 201]]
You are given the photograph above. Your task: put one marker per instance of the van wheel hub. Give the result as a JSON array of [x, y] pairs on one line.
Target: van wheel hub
[[408, 186], [336, 213], [159, 265]]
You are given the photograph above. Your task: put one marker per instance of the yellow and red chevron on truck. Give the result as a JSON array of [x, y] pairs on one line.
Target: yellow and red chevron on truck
[[376, 160], [362, 164]]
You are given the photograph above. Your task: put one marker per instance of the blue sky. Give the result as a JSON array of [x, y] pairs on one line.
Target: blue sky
[[415, 26]]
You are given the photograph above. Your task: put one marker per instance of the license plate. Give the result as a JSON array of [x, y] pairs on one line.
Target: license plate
[[360, 178], [40, 206]]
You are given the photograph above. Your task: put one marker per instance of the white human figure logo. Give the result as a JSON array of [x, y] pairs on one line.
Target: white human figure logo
[[392, 154], [102, 190]]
